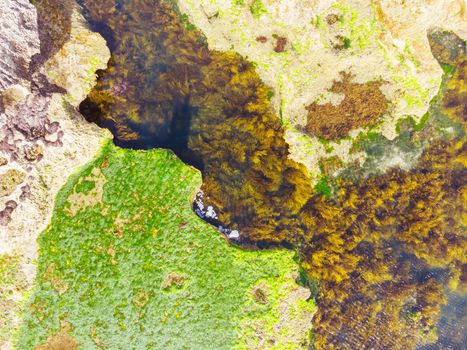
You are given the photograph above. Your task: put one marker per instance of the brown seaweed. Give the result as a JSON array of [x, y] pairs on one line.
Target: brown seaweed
[[382, 252]]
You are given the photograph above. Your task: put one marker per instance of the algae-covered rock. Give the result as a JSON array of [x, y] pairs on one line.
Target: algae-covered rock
[[300, 47], [48, 58], [137, 266], [9, 180]]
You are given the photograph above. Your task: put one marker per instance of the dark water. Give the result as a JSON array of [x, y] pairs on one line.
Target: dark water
[[382, 256]]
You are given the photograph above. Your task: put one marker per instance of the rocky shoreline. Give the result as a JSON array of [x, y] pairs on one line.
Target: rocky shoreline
[[43, 137]]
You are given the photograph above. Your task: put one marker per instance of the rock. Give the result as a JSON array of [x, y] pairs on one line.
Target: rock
[[19, 41], [34, 152], [74, 65], [39, 121], [13, 95]]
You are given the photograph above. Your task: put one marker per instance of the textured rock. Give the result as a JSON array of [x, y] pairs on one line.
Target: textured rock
[[42, 136], [19, 41]]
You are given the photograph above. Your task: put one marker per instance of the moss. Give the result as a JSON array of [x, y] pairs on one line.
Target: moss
[[347, 43], [362, 31], [187, 23], [448, 69], [140, 266], [85, 186]]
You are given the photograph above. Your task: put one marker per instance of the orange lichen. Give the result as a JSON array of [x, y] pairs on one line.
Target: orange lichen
[[362, 105]]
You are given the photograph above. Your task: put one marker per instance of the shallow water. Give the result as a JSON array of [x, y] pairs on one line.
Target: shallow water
[[383, 252]]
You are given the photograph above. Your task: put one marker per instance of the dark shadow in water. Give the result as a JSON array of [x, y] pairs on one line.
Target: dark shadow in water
[[175, 137]]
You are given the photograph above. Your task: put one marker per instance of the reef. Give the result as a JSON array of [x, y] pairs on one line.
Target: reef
[[334, 129], [135, 265]]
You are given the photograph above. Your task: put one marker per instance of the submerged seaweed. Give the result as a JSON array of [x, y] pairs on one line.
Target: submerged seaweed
[[164, 88], [383, 250]]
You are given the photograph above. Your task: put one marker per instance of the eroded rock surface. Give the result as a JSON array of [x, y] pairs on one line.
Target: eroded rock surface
[[19, 41], [43, 138]]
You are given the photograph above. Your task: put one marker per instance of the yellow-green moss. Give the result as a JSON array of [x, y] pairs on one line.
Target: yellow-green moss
[[139, 267]]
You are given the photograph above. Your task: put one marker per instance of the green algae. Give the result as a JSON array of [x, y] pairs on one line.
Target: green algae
[[257, 8], [13, 291], [322, 187], [139, 267]]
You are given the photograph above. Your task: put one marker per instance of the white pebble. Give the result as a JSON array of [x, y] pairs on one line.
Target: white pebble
[[234, 234]]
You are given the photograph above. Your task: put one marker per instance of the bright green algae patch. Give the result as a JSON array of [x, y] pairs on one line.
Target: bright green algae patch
[[127, 264]]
